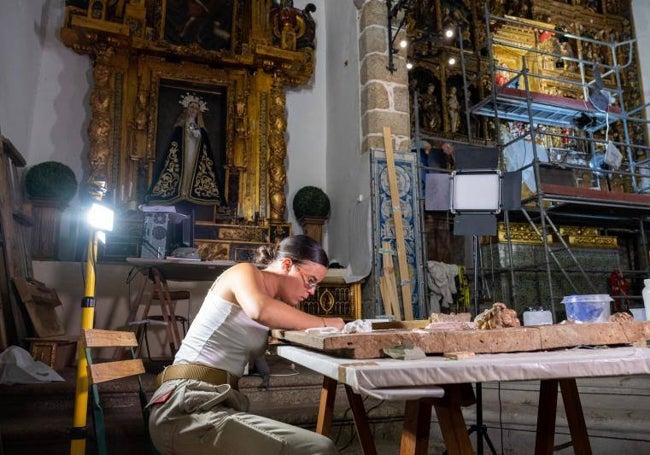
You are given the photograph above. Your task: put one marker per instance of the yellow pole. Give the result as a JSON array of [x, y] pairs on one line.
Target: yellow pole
[[79, 429]]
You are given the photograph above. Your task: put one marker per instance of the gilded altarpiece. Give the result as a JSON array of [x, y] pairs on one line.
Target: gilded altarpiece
[[442, 103], [437, 73], [233, 61]]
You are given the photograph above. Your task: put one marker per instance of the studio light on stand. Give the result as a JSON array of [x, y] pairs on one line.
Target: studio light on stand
[[100, 220], [475, 194]]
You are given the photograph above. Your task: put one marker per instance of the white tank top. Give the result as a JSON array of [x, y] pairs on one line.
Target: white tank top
[[222, 336]]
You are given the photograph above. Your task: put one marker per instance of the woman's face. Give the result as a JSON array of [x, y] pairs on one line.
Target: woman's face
[[303, 281]]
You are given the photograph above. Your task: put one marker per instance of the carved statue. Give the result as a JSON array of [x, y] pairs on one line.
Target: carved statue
[[188, 171], [293, 28], [429, 108], [453, 108]]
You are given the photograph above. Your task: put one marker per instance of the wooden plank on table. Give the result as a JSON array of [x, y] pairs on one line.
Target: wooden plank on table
[[404, 272], [513, 339], [366, 345], [606, 333], [403, 325], [516, 339]]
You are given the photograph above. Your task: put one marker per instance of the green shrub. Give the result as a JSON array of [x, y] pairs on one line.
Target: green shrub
[[311, 201], [51, 180]]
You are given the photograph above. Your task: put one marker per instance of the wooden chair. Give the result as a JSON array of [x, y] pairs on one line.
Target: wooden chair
[[109, 371]]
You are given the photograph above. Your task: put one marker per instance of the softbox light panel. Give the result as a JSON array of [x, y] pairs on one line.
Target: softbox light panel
[[476, 192], [436, 191], [475, 224], [475, 157]]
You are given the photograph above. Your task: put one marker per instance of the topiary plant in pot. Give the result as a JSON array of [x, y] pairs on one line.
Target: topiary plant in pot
[[51, 180], [50, 186], [312, 208]]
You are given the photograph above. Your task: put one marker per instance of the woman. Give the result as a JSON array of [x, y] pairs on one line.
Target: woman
[[198, 409]]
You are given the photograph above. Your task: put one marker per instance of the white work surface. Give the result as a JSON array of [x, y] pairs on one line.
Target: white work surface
[[438, 382], [381, 377]]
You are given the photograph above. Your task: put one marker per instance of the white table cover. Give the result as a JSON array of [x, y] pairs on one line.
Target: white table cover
[[412, 379]]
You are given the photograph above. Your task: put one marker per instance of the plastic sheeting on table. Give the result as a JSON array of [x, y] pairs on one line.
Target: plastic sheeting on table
[[375, 376]]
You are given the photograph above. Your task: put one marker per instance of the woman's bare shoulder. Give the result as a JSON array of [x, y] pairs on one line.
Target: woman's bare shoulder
[[241, 269]]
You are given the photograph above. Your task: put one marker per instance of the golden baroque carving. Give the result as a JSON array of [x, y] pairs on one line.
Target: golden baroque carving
[[212, 251], [590, 241], [520, 233], [101, 125], [326, 301], [278, 151], [139, 67]]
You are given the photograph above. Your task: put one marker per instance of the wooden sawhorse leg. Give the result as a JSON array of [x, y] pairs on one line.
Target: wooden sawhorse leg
[[167, 310], [451, 420], [326, 407], [544, 442], [156, 281], [417, 425], [366, 438], [326, 412]]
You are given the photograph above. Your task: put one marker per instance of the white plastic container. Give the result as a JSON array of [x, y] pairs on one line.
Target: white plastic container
[[538, 317], [587, 307]]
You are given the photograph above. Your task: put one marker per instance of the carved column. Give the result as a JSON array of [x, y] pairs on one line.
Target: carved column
[[278, 150], [101, 106]]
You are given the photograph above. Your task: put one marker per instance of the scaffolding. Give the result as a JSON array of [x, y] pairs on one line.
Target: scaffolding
[[569, 135]]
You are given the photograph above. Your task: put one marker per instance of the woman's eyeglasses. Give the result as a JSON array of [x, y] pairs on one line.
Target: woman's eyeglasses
[[310, 282]]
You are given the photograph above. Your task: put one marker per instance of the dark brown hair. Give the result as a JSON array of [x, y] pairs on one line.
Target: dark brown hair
[[298, 248]]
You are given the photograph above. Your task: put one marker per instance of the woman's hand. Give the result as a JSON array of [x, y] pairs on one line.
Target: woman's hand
[[337, 323]]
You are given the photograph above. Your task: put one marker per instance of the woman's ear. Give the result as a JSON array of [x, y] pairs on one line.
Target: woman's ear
[[286, 264]]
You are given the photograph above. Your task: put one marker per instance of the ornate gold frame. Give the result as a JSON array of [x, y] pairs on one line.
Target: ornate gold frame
[[271, 48]]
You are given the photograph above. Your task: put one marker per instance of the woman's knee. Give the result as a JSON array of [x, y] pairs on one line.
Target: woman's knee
[[324, 446]]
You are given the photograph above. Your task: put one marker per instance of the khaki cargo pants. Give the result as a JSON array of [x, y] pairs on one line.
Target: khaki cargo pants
[[194, 417]]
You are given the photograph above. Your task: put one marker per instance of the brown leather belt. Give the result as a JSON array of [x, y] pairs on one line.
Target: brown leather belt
[[213, 376]]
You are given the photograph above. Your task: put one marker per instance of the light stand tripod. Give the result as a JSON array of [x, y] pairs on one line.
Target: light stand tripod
[[479, 427], [475, 193]]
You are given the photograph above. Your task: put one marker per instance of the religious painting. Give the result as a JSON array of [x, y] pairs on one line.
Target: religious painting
[[207, 23], [191, 147]]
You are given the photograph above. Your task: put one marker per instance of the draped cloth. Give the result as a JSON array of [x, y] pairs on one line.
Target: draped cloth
[[177, 178], [442, 284]]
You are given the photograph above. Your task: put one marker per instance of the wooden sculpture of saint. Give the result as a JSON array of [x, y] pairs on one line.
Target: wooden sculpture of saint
[[187, 170]]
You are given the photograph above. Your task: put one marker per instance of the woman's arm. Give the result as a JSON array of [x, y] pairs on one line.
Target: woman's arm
[[251, 292]]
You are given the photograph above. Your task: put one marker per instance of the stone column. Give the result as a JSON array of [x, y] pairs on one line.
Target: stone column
[[384, 100], [384, 95]]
